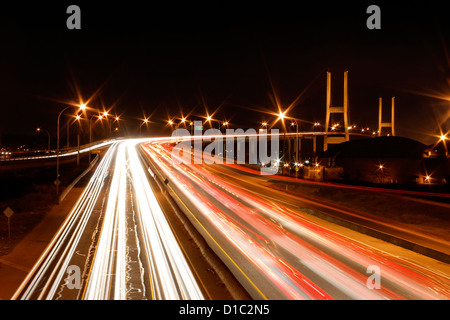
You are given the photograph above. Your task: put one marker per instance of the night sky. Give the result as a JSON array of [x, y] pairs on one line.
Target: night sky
[[159, 58]]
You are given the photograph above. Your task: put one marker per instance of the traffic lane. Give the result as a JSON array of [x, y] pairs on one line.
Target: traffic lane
[[134, 220], [160, 152], [289, 282], [288, 246], [216, 279], [176, 279], [397, 267], [98, 242], [332, 210], [247, 258], [49, 274]]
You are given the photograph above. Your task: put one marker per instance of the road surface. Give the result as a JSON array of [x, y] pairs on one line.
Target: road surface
[[118, 239], [277, 251], [115, 244]]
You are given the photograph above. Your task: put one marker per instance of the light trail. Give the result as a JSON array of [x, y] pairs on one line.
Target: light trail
[[56, 256], [84, 149], [117, 195], [275, 251], [172, 277], [282, 254]]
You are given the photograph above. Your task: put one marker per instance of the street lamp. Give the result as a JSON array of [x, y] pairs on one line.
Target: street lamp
[[57, 182], [100, 117], [48, 133], [225, 124], [294, 122], [145, 121], [210, 119]]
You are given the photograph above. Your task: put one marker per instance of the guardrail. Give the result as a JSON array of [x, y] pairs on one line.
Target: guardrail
[[70, 187], [66, 153]]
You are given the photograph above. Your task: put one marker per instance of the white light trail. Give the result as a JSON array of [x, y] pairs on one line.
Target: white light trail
[[66, 239], [171, 277], [120, 181]]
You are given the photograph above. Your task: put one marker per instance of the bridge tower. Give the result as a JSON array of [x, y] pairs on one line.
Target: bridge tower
[[380, 117], [339, 110]]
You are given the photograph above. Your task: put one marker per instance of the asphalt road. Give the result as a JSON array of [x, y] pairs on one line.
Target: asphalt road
[[115, 243], [274, 248]]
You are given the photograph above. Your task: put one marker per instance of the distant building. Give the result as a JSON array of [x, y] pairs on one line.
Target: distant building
[[388, 159]]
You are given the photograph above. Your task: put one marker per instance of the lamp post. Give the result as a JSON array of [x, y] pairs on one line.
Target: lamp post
[[281, 116], [117, 119], [105, 115], [100, 117], [297, 148], [145, 121], [210, 120], [225, 125], [57, 182], [48, 133]]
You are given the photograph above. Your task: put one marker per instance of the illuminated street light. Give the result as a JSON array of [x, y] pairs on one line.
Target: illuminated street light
[[48, 133], [443, 137], [144, 121], [382, 172], [57, 181]]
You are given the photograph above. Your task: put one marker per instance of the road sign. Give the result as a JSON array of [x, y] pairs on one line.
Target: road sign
[[297, 168], [57, 182], [8, 212]]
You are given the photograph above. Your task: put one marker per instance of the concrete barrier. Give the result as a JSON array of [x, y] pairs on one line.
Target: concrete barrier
[[70, 187]]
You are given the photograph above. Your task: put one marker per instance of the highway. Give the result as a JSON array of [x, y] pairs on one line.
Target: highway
[[275, 250], [117, 239]]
